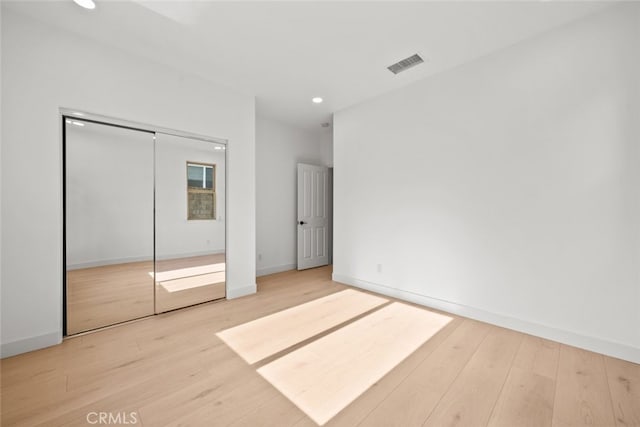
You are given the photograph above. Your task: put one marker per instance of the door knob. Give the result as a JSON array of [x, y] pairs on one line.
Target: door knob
[[302, 223]]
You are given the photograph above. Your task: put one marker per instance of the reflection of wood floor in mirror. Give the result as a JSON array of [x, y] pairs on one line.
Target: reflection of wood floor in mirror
[[102, 296], [183, 282], [110, 294], [172, 369]]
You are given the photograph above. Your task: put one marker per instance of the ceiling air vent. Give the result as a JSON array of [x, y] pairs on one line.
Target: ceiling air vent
[[405, 64]]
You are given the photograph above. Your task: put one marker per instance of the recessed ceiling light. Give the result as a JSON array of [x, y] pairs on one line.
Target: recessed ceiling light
[[76, 113], [87, 4], [316, 100]]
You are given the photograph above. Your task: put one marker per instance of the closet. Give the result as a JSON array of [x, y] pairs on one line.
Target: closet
[[144, 216]]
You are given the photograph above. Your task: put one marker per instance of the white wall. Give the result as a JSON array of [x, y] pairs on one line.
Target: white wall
[[506, 189], [279, 148], [1, 150], [44, 69], [109, 183], [326, 147]]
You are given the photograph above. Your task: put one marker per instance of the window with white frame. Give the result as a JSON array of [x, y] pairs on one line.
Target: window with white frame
[[201, 191]]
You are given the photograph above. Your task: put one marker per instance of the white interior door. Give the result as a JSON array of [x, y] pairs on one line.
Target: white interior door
[[313, 216]]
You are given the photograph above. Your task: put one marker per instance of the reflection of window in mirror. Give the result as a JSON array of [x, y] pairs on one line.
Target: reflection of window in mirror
[[201, 191]]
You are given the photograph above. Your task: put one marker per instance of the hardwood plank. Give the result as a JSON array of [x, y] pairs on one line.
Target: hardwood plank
[[624, 383], [37, 366], [227, 404], [197, 400], [582, 392], [526, 400], [153, 383], [359, 410], [277, 411], [528, 393], [413, 400], [17, 402], [538, 356], [114, 376], [100, 387], [473, 394]]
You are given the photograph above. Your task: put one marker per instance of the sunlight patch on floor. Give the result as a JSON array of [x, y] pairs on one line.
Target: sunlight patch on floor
[[325, 376], [178, 273], [185, 283], [266, 336]]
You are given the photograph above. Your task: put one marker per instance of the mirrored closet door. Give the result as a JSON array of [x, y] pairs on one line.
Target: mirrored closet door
[[144, 223], [190, 222], [109, 224]]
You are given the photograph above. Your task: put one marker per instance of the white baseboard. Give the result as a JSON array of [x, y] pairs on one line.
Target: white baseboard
[[189, 254], [29, 344], [101, 263], [598, 345], [275, 269], [243, 291]]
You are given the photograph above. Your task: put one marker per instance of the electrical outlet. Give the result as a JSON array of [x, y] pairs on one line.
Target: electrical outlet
[[259, 257], [379, 268]]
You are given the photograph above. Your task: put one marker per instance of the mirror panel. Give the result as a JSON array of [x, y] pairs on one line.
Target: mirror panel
[[190, 222], [109, 224]]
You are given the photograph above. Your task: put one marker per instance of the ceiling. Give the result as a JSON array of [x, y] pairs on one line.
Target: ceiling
[[285, 53]]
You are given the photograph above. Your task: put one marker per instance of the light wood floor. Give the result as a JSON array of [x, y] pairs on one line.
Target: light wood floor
[[171, 369]]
